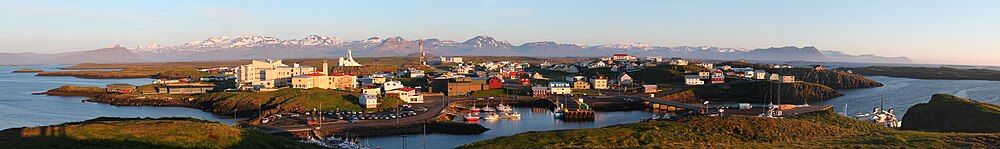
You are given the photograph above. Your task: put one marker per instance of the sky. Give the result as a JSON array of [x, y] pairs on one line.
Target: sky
[[943, 32]]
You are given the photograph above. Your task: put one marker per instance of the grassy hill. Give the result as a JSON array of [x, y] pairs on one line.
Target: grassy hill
[[812, 130], [947, 113], [142, 133]]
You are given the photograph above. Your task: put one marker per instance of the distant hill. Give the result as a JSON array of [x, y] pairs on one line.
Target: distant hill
[[315, 46], [142, 133], [113, 54], [948, 113], [831, 78]]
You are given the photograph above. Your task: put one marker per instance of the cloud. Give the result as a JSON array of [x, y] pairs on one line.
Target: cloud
[[514, 12]]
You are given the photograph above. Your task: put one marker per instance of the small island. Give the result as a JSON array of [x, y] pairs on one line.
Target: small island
[[944, 73], [27, 70], [107, 132]]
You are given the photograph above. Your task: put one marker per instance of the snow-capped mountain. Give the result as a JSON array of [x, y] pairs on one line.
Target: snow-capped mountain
[[315, 46]]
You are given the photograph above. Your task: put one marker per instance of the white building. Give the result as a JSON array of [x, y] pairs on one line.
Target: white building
[[408, 95], [624, 79], [622, 57], [707, 65], [760, 74], [787, 79], [349, 61], [560, 88], [269, 74], [392, 85], [704, 75], [678, 62], [693, 80], [368, 101]]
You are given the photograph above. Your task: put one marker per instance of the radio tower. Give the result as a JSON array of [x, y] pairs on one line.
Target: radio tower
[[422, 54]]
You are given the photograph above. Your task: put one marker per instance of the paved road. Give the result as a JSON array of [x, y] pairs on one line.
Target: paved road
[[434, 105]]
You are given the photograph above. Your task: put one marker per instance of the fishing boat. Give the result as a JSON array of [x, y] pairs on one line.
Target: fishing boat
[[488, 109], [504, 108], [471, 118], [513, 115], [492, 116], [474, 109]]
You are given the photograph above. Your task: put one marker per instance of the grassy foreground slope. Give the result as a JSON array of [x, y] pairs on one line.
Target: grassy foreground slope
[[817, 129], [142, 133], [947, 113]]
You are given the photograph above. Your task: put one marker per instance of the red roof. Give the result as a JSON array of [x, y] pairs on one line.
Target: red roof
[[406, 89], [621, 54], [340, 74], [314, 74]]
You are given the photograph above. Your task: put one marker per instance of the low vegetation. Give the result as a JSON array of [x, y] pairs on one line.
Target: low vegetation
[[831, 78], [142, 133], [946, 73], [762, 91], [823, 129], [948, 113]]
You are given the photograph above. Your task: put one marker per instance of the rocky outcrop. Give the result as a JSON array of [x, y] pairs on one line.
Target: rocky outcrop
[[947, 113], [831, 78], [764, 91]]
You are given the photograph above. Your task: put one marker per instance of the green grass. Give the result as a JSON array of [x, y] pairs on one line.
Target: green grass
[[947, 113], [288, 99], [817, 129], [142, 133]]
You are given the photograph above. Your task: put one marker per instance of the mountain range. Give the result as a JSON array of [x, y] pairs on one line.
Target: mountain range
[[316, 46]]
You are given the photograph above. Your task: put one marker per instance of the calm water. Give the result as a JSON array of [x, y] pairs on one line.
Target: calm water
[[902, 93], [18, 108], [532, 119]]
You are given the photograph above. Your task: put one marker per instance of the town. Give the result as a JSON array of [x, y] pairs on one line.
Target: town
[[453, 89]]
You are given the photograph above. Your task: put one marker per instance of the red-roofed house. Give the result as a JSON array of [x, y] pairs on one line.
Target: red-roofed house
[[495, 82]]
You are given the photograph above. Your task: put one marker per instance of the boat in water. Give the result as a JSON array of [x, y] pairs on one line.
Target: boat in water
[[512, 115], [474, 109], [471, 118], [488, 109], [492, 116], [881, 117], [504, 108]]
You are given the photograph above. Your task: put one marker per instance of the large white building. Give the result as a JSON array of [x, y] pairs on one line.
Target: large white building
[[349, 61], [560, 88], [693, 80], [268, 74]]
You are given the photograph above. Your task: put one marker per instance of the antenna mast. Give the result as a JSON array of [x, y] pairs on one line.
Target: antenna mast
[[420, 43]]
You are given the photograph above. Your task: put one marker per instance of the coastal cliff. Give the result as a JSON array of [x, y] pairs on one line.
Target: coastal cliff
[[948, 113], [830, 78]]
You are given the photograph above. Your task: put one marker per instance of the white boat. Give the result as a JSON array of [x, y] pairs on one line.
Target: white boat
[[504, 108], [474, 109], [488, 109], [513, 115], [881, 117], [492, 116]]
